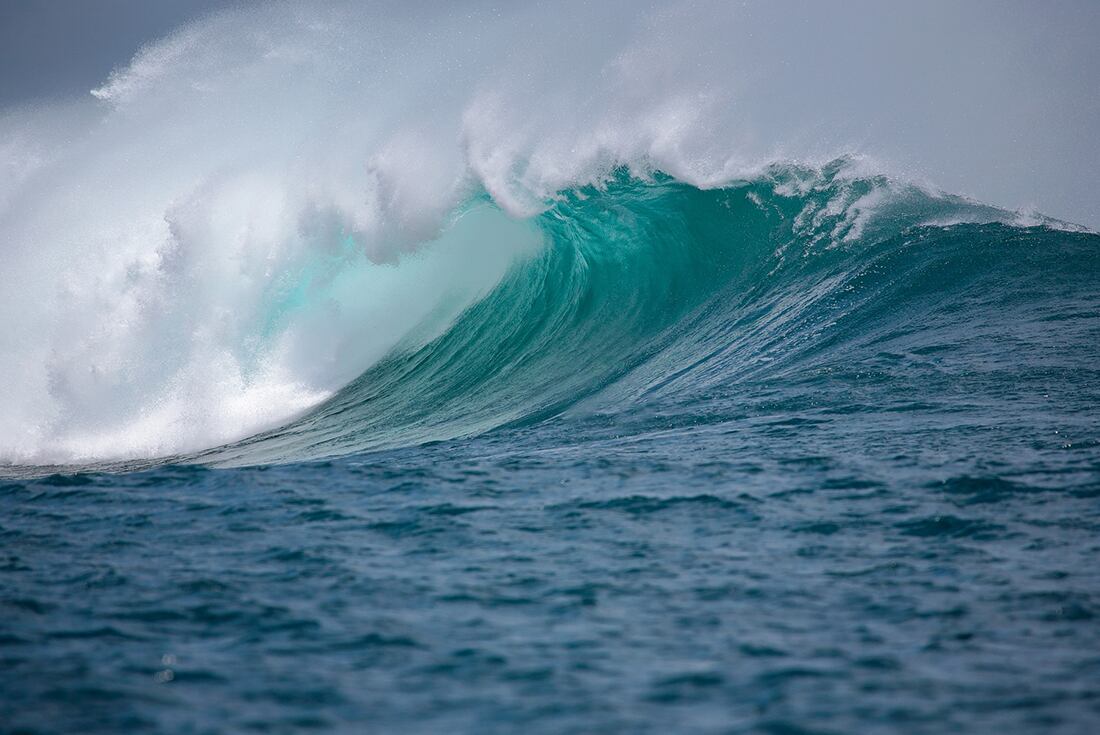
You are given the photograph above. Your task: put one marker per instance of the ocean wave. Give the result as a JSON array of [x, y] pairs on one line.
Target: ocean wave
[[299, 231], [618, 295]]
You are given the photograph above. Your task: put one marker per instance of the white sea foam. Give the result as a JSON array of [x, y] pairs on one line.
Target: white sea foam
[[221, 234]]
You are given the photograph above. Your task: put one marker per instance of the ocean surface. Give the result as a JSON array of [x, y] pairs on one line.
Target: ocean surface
[[622, 367], [748, 459]]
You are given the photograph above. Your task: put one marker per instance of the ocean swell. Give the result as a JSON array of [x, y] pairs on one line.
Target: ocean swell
[[299, 231]]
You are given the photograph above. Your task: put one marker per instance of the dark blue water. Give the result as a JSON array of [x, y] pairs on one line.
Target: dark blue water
[[711, 462]]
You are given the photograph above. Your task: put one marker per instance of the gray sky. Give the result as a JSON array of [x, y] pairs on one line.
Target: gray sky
[[997, 99], [51, 48]]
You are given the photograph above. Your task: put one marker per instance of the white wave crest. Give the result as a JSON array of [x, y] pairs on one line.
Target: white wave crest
[[227, 230]]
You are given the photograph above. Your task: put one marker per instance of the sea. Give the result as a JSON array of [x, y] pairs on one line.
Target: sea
[[606, 446]]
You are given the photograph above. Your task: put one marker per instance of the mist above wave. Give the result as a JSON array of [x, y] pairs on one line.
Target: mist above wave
[[232, 226]]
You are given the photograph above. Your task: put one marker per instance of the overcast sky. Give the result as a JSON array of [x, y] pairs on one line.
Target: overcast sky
[[998, 99], [66, 47]]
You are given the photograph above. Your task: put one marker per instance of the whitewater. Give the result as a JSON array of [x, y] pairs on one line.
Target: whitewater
[[257, 209], [620, 367]]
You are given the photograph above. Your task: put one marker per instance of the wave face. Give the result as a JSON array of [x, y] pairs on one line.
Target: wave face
[[643, 296], [296, 231], [654, 292]]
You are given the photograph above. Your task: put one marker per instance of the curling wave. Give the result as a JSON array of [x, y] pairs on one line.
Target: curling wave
[[646, 288], [640, 291], [267, 240]]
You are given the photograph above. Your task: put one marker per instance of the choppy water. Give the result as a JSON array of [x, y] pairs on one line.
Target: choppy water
[[790, 568]]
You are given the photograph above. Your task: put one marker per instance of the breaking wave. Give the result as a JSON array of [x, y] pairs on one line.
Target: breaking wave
[[299, 231]]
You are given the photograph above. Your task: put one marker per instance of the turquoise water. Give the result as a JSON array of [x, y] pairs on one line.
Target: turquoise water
[[809, 453]]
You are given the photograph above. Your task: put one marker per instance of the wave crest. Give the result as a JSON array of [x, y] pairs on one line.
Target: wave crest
[[278, 207]]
